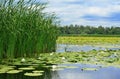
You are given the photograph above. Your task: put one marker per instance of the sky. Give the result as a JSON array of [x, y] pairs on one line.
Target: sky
[[86, 12]]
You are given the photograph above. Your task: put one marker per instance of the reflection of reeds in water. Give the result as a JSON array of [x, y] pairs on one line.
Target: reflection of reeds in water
[[25, 30], [55, 75]]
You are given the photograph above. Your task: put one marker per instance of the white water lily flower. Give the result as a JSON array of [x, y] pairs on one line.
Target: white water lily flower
[[23, 60], [102, 52], [63, 58], [54, 66], [51, 53]]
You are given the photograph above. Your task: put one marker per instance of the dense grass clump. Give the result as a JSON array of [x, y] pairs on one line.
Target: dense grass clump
[[25, 30]]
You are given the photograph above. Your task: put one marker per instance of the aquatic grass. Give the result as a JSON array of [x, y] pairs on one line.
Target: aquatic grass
[[25, 29]]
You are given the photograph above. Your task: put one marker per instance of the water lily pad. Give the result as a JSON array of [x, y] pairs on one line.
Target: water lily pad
[[14, 71], [71, 67], [46, 66], [11, 66], [5, 68], [57, 69], [38, 71], [33, 74], [26, 68], [89, 69], [1, 72]]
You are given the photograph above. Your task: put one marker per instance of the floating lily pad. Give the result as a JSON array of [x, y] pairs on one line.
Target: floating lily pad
[[26, 68], [11, 66], [1, 72], [14, 71], [38, 71], [5, 68], [89, 69], [71, 67], [46, 66], [33, 74], [57, 69]]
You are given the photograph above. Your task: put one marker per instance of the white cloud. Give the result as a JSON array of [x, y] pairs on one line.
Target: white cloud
[[97, 11], [72, 13], [96, 23]]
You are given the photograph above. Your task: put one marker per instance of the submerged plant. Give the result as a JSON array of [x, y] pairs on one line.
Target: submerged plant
[[25, 30]]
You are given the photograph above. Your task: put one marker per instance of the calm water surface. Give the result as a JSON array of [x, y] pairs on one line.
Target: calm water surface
[[102, 73], [85, 48], [73, 73]]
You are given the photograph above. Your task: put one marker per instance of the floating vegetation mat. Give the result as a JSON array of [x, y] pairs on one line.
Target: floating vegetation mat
[[104, 58]]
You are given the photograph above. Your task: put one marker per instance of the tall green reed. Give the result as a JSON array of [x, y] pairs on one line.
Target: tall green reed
[[25, 30]]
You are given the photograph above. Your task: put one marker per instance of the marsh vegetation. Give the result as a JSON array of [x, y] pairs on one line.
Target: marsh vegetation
[[25, 29], [88, 40]]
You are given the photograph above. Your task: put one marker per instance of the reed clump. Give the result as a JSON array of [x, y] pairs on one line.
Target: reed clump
[[25, 30]]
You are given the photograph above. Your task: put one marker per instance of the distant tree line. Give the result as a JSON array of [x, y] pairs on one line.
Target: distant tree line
[[80, 29]]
